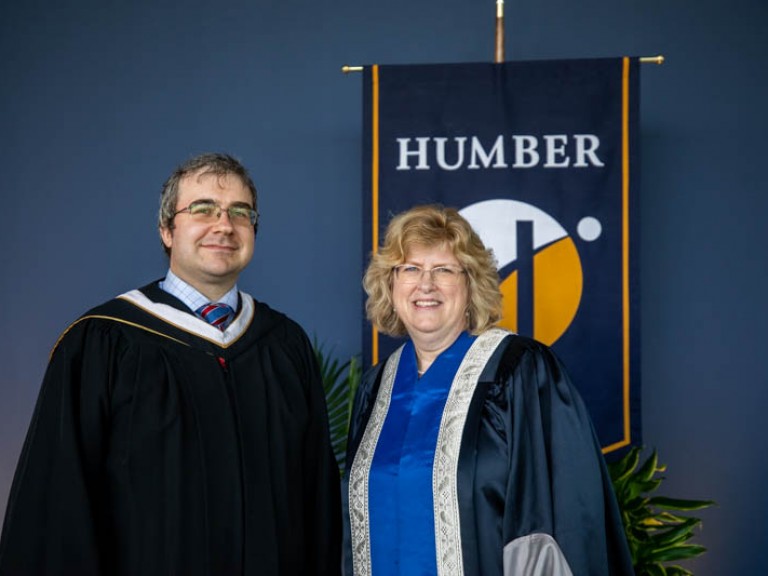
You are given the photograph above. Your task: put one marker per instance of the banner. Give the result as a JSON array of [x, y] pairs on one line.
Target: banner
[[542, 158]]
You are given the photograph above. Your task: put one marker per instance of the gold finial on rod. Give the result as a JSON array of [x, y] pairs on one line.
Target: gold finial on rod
[[348, 69], [652, 59]]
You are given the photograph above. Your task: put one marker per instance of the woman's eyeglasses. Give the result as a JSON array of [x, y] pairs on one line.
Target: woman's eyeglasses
[[440, 275]]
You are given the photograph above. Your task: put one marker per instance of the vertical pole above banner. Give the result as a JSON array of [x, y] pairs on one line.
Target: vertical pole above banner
[[499, 56]]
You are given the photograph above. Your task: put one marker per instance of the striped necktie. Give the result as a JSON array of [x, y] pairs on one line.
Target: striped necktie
[[216, 314]]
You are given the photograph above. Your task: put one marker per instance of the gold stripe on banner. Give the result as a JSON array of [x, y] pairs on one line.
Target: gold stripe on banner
[[625, 243], [375, 186], [624, 250]]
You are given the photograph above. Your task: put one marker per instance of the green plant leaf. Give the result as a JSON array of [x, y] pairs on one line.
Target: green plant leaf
[[674, 536], [643, 486], [676, 553], [648, 469], [621, 469], [340, 381], [653, 570], [680, 504]]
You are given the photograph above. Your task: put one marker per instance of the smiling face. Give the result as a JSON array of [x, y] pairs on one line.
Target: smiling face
[[433, 315], [209, 256]]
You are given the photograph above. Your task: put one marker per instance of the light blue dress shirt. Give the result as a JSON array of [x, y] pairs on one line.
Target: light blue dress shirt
[[175, 286]]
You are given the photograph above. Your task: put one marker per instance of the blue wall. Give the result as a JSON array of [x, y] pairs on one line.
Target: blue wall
[[100, 100]]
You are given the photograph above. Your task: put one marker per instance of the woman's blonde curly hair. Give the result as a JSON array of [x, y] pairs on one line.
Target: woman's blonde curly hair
[[432, 226]]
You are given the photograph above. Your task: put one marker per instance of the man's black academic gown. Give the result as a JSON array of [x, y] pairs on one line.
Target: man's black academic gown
[[162, 446]]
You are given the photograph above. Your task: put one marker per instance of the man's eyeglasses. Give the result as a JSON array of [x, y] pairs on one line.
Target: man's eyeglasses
[[440, 275], [207, 212]]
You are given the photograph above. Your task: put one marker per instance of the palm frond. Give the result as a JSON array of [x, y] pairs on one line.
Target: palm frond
[[340, 381]]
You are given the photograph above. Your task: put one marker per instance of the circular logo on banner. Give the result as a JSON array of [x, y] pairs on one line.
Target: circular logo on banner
[[553, 267]]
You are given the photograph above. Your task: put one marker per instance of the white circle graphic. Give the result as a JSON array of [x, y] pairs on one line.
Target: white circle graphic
[[589, 229]]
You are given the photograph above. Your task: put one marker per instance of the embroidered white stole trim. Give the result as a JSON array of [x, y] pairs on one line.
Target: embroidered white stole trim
[[361, 466]]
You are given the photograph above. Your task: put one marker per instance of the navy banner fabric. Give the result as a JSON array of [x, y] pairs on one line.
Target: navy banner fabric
[[542, 158]]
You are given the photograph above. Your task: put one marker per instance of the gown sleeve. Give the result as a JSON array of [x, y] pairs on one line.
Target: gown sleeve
[[321, 482], [56, 515], [560, 515]]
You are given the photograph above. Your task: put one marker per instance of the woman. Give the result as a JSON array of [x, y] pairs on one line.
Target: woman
[[470, 451]]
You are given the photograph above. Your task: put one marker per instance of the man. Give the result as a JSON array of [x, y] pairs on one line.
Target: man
[[165, 444]]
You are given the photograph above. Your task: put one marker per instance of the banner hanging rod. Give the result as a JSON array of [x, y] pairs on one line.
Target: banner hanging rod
[[643, 60], [499, 44]]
